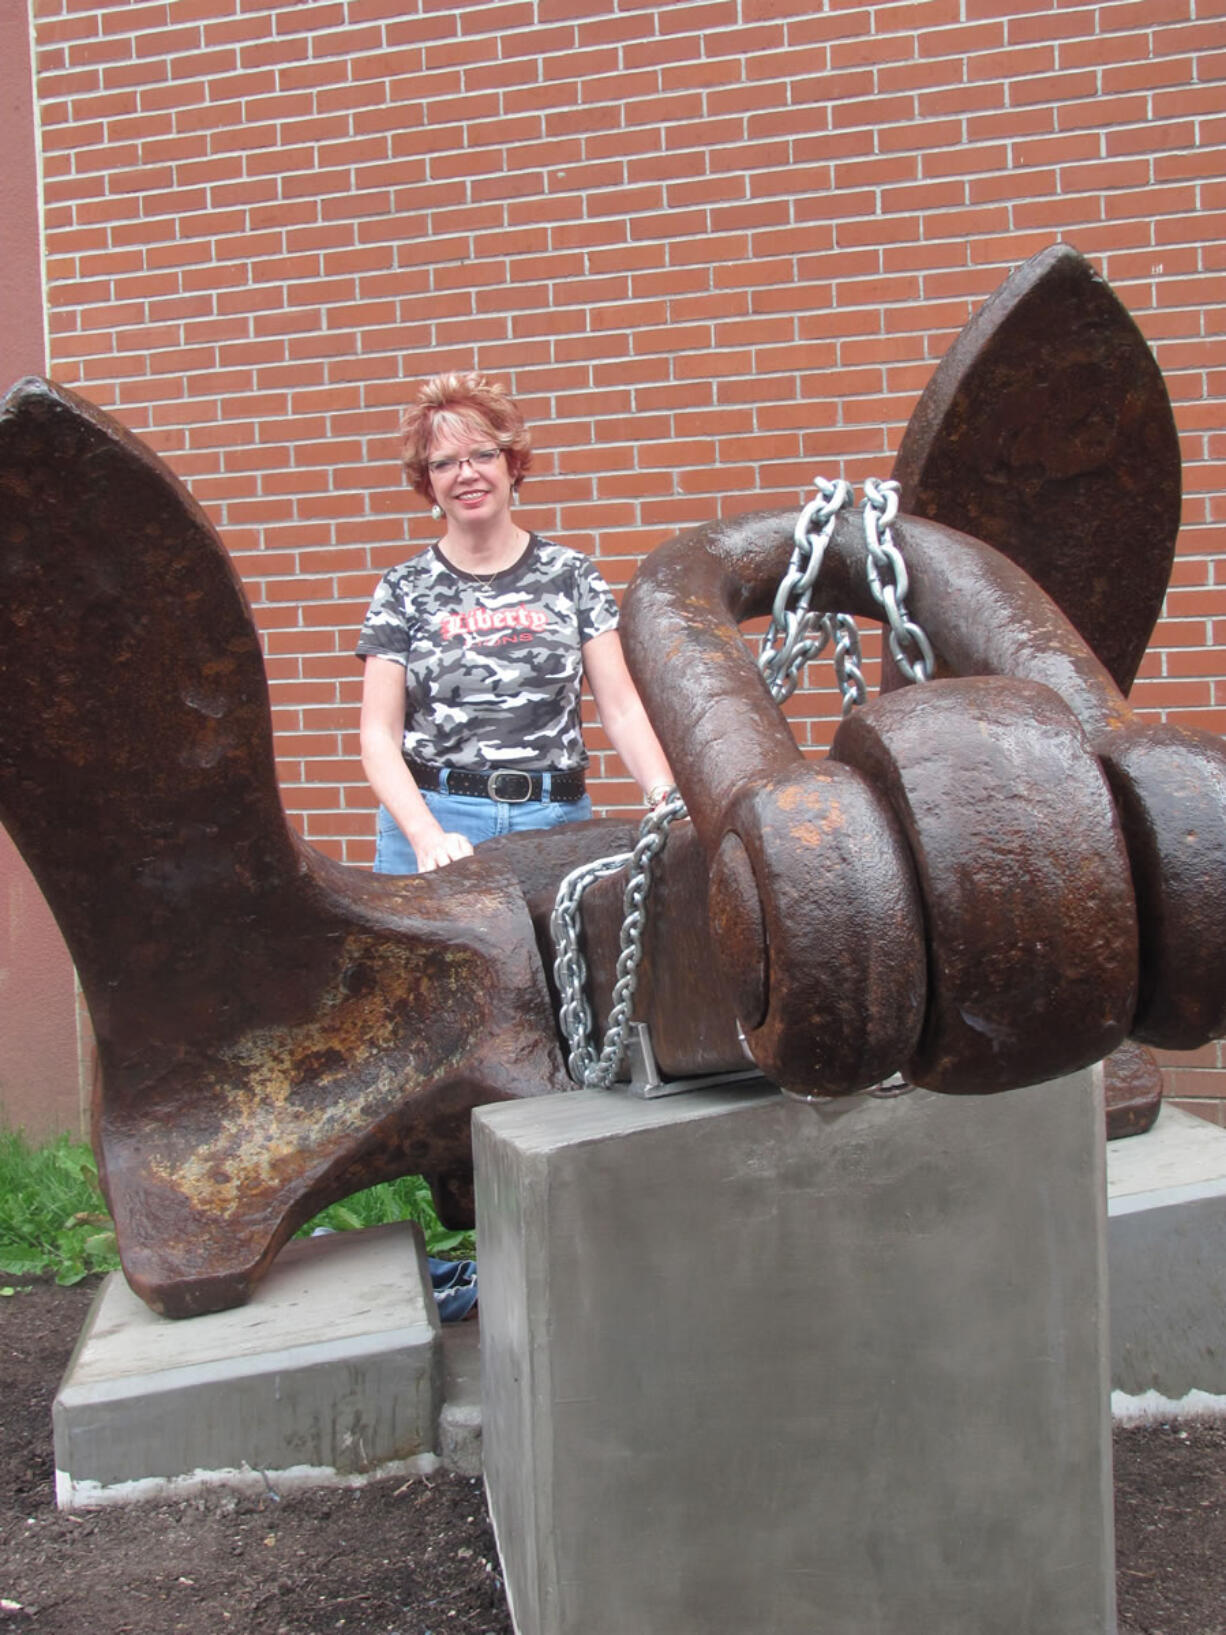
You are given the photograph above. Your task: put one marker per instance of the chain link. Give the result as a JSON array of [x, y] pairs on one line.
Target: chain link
[[888, 581], [569, 965], [586, 1066], [796, 635], [848, 661]]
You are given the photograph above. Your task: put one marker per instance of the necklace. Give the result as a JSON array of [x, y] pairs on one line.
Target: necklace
[[485, 581]]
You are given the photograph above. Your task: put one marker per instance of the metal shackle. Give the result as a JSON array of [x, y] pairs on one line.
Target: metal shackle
[[1024, 878], [822, 905], [987, 617], [813, 900]]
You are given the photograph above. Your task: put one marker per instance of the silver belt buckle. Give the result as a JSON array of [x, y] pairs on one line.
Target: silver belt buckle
[[510, 772]]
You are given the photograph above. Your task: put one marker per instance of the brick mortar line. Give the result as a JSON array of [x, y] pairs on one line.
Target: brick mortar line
[[432, 46], [872, 125]]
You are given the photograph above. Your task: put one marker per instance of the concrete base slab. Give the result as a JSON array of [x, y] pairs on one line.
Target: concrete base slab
[[459, 1423], [1167, 1259], [750, 1364], [332, 1373]]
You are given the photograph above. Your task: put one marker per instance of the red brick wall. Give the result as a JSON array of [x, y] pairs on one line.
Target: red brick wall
[[714, 247]]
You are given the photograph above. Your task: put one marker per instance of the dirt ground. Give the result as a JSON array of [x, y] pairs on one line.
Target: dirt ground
[[417, 1558]]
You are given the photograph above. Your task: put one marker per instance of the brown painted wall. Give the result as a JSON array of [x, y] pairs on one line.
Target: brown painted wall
[[22, 343], [39, 1078]]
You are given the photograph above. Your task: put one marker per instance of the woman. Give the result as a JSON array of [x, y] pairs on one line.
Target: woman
[[475, 652]]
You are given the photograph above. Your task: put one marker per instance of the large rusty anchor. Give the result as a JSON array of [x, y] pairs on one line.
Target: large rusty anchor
[[996, 877], [274, 1030]]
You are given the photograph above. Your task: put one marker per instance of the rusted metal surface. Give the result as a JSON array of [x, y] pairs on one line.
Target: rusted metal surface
[[1046, 430], [690, 1034], [1132, 1084], [1032, 928], [274, 1031], [993, 880], [830, 948], [1170, 787], [985, 617]]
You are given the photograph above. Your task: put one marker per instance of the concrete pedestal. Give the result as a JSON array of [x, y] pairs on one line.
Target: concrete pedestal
[[755, 1366], [1167, 1258], [332, 1373]]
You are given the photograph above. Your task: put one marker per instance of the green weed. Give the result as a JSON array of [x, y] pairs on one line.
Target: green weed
[[53, 1219], [407, 1199]]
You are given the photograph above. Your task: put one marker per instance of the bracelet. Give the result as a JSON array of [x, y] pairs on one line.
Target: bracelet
[[657, 793]]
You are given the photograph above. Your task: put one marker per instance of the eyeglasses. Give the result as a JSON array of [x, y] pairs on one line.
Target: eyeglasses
[[480, 459]]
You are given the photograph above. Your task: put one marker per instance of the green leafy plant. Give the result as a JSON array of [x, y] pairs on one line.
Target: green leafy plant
[[52, 1217], [407, 1199]]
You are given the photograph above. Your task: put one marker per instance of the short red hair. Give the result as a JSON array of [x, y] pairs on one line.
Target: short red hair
[[467, 405]]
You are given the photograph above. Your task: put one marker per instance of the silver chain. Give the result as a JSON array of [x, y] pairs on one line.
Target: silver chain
[[888, 581], [796, 634], [586, 1066], [848, 661]]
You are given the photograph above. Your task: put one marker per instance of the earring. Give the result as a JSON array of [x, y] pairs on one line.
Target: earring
[[436, 511], [514, 491]]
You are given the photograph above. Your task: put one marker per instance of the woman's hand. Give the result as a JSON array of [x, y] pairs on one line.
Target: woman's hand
[[436, 854], [390, 778]]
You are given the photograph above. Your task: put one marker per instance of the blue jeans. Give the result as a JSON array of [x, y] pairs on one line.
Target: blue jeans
[[477, 819]]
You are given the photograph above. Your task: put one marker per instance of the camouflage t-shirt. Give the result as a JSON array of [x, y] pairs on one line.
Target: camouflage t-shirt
[[493, 667]]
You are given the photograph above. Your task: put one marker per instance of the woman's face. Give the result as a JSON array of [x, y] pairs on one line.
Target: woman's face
[[469, 475]]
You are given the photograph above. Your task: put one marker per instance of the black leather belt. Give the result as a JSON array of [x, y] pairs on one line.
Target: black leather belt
[[508, 784]]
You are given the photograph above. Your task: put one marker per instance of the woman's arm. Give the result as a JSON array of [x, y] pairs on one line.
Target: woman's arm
[[382, 731], [622, 714]]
